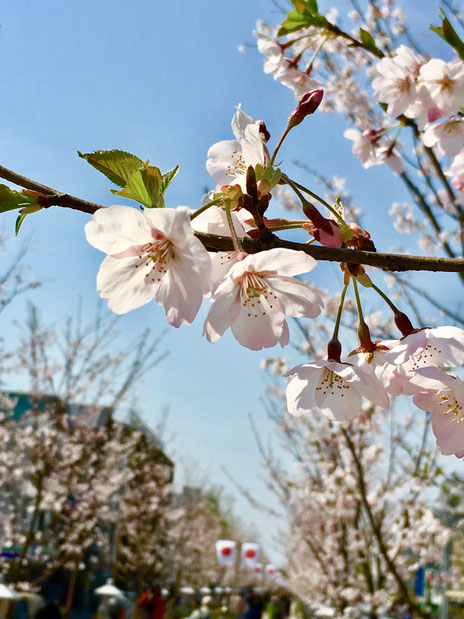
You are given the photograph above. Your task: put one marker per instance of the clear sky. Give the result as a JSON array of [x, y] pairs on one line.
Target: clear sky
[[160, 79]]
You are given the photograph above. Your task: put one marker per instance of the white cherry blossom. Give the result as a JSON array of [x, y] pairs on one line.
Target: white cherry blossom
[[153, 254], [334, 388], [442, 395], [441, 346], [448, 136], [255, 295], [396, 85], [229, 160], [445, 82]]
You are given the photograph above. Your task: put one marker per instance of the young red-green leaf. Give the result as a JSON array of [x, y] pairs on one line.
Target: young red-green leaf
[[11, 199], [309, 5], [117, 165], [167, 178], [144, 186]]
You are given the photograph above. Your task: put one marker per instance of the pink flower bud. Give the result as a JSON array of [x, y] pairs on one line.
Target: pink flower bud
[[308, 104], [263, 132], [328, 234]]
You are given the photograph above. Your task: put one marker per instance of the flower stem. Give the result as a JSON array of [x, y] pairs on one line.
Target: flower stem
[[233, 232], [358, 303], [401, 320], [203, 208], [363, 330], [279, 144], [314, 56], [339, 313], [334, 348], [390, 304], [295, 186]]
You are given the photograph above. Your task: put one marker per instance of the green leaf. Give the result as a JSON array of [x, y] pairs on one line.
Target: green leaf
[[368, 40], [167, 178], [117, 165], [449, 34], [11, 199], [296, 21], [144, 186], [19, 222], [306, 5]]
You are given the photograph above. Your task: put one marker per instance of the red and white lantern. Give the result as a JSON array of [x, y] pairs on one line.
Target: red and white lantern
[[250, 554], [258, 569], [225, 551], [270, 571]]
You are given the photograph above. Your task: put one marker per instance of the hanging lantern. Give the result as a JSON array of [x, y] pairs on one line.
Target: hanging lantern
[[225, 551], [270, 571], [250, 554]]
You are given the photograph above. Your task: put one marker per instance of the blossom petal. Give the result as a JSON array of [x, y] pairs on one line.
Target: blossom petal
[[240, 121], [116, 228], [173, 223], [300, 389], [124, 284], [222, 161], [223, 311], [284, 261], [297, 298], [180, 291], [253, 148], [259, 327]]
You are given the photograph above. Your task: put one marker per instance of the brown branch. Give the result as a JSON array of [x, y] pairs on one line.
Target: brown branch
[[375, 526], [389, 262], [212, 242], [51, 197]]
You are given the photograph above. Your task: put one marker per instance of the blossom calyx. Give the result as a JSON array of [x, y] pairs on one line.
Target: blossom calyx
[[308, 104]]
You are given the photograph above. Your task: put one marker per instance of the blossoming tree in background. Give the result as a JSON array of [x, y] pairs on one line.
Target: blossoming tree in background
[[230, 249]]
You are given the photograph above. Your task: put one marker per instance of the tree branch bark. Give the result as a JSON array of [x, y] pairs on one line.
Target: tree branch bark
[[213, 242]]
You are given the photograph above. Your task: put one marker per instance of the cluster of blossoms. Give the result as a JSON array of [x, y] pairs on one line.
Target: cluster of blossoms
[[376, 75], [155, 253], [411, 366]]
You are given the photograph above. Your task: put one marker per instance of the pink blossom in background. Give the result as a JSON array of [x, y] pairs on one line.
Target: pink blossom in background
[[456, 172]]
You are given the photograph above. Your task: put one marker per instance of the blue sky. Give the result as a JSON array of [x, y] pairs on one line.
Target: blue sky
[[160, 79]]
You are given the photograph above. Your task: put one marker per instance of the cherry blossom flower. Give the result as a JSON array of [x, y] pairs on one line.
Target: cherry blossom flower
[[456, 172], [445, 82], [448, 136], [153, 254], [396, 85], [441, 346], [278, 65], [363, 148], [228, 160], [255, 295], [334, 388], [442, 395]]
